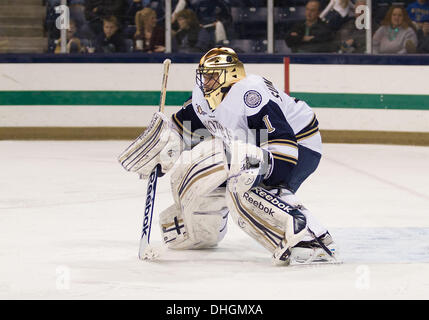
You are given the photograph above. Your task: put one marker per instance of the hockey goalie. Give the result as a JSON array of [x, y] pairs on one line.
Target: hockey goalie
[[241, 147]]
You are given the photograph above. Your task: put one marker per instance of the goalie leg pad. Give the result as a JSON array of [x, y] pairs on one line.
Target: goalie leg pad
[[312, 222], [203, 228], [172, 225], [317, 245], [198, 200], [199, 204], [198, 172], [268, 219]]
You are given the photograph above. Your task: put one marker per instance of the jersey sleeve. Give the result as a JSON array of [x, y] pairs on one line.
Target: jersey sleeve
[[189, 125], [274, 134]]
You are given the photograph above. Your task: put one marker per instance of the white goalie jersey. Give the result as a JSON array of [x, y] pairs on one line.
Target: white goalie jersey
[[257, 112]]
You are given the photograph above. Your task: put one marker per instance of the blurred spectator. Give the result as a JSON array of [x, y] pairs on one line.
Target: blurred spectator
[[423, 37], [379, 9], [396, 34], [288, 3], [133, 6], [74, 44], [311, 35], [336, 13], [207, 11], [96, 10], [291, 3], [110, 40], [77, 11], [418, 12], [149, 37], [213, 15], [350, 38], [190, 37]]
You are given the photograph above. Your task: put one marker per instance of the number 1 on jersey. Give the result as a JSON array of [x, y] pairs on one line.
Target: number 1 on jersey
[[268, 124]]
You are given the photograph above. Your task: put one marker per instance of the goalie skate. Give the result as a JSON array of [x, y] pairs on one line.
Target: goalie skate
[[314, 252]]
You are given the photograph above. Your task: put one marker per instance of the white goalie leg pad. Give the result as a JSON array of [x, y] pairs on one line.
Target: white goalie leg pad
[[172, 226], [198, 200], [312, 222], [266, 218], [198, 172], [160, 143], [309, 250], [208, 223], [203, 228]]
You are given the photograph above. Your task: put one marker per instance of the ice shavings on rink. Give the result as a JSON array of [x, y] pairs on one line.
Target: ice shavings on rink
[[70, 220]]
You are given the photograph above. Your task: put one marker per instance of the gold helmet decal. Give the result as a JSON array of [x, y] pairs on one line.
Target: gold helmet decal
[[219, 68]]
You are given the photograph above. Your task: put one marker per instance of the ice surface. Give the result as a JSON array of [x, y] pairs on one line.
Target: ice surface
[[70, 220]]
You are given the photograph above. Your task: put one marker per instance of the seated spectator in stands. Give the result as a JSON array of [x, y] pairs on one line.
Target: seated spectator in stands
[[96, 10], [149, 37], [73, 40], [418, 12], [396, 34], [379, 10], [77, 13], [336, 13], [135, 6], [349, 37], [423, 37], [212, 15], [311, 35], [190, 37], [110, 40]]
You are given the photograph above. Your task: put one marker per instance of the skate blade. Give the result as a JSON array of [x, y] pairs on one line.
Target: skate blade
[[317, 258], [314, 262]]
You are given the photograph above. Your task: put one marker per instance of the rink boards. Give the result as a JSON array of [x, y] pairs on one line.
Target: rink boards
[[117, 100]]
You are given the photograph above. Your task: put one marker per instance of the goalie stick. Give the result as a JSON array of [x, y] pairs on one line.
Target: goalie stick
[[145, 251]]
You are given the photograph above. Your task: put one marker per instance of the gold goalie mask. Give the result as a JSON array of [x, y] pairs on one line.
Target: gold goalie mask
[[218, 70]]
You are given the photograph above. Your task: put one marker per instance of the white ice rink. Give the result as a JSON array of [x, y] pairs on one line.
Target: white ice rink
[[70, 220]]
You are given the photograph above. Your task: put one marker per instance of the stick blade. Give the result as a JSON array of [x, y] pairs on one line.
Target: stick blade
[[147, 252]]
